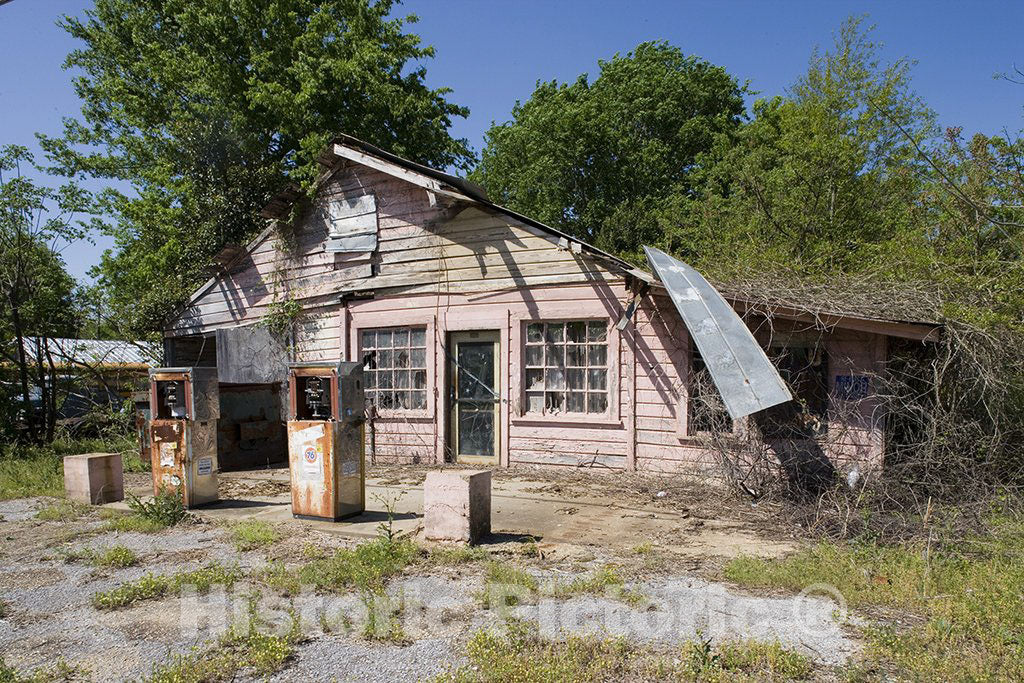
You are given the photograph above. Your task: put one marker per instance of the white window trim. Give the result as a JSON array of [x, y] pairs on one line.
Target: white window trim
[[611, 416], [378, 320]]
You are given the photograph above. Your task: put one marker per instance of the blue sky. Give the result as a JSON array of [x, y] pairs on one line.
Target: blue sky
[[492, 54]]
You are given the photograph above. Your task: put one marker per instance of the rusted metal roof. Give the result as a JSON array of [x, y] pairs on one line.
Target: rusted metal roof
[[746, 379]]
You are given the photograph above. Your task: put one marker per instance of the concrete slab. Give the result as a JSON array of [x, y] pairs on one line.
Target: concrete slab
[[519, 509]]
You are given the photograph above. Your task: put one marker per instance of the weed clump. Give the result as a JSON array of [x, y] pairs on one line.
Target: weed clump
[[520, 654], [154, 586], [253, 534], [245, 648], [165, 509]]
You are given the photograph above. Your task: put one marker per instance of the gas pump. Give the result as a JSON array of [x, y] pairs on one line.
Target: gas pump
[[184, 407], [325, 439]]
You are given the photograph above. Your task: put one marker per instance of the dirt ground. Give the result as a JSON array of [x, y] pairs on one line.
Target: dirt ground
[[667, 538]]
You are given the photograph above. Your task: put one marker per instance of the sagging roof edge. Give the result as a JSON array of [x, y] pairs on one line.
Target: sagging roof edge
[[474, 194], [747, 381]]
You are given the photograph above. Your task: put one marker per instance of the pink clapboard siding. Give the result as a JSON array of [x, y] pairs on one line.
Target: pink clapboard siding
[[464, 268]]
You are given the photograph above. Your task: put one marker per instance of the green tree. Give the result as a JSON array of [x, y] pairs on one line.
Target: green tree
[[827, 179], [591, 158], [36, 290], [208, 107]]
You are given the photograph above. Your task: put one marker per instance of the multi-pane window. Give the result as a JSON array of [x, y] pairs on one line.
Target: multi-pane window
[[395, 371], [566, 367]]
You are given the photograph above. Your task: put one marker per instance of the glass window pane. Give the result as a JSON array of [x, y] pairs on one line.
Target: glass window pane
[[535, 403], [385, 379], [598, 379], [535, 380], [400, 337], [535, 332], [597, 330], [419, 400], [385, 359], [534, 356], [419, 379], [554, 332], [402, 399], [597, 403], [476, 430], [576, 356], [385, 399], [576, 332], [554, 378], [370, 379], [401, 379], [554, 355], [577, 402], [476, 370], [369, 339], [577, 378], [598, 355], [383, 339], [554, 402], [418, 336], [401, 358], [418, 358]]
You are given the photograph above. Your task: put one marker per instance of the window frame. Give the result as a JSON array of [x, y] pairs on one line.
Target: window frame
[[382, 320], [612, 413]]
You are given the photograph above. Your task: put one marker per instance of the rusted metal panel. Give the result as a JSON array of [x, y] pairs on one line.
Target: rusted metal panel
[[250, 355], [325, 440], [168, 454], [311, 458], [746, 379], [183, 438]]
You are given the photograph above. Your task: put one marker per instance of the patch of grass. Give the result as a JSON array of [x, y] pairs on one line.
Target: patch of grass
[[28, 470], [520, 654], [253, 534], [62, 511], [241, 649], [970, 594], [382, 623], [61, 671], [450, 556], [154, 586], [506, 585], [120, 521], [116, 556], [367, 566], [279, 578], [604, 581]]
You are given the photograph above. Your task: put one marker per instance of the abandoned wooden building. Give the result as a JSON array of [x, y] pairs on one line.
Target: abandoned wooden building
[[491, 338]]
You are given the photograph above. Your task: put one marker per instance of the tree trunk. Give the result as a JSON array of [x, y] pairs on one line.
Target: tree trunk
[[51, 408], [22, 367]]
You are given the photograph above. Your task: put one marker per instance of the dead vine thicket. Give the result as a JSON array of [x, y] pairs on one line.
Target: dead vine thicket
[[951, 411]]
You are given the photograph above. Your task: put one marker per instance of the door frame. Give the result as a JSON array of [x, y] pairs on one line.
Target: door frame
[[453, 338]]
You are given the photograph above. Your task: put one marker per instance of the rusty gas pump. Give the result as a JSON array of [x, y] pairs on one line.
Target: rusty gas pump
[[325, 440], [184, 407]]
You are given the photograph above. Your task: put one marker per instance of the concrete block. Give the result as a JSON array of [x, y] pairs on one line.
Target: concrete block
[[457, 505], [94, 478]]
